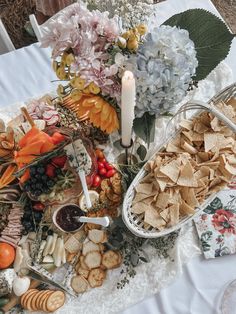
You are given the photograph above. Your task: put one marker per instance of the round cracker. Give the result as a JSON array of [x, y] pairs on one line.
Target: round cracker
[[28, 300], [40, 297], [25, 295], [55, 301], [33, 301], [42, 306]]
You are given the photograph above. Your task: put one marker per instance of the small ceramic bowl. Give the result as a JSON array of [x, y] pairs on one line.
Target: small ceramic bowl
[[63, 218]]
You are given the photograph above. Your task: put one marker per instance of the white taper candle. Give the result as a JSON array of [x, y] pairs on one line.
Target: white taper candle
[[128, 93]]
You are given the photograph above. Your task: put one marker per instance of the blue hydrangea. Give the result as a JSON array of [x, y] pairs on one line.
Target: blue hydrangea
[[164, 67]]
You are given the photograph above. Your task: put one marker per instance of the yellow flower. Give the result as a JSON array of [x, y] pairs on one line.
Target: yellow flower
[[132, 44], [54, 65], [76, 94], [77, 82], [142, 29], [61, 73], [60, 90], [127, 34], [70, 59], [93, 88]]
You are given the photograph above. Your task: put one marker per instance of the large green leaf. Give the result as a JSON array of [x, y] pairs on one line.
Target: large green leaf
[[210, 35], [144, 127]]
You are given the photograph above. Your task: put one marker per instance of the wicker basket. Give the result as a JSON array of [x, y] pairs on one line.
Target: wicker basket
[[135, 222]]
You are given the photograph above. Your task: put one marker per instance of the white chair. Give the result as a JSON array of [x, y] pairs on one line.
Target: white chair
[[6, 45], [35, 26]]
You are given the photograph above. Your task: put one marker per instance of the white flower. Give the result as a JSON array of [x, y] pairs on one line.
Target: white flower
[[164, 67]]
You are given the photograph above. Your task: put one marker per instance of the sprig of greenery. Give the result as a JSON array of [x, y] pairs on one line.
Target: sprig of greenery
[[133, 248]]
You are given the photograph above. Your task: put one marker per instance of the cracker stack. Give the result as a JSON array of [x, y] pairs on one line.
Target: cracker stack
[[44, 300]]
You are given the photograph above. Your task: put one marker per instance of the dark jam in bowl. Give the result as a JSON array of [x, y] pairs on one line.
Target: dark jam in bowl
[[65, 218]]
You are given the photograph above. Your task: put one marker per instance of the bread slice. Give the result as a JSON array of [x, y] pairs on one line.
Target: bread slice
[[97, 236], [111, 259], [96, 277], [89, 247], [93, 259], [79, 284]]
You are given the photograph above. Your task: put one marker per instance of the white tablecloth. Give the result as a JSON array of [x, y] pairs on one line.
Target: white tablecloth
[[27, 73]]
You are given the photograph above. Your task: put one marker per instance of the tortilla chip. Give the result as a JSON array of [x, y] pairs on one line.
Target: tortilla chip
[[210, 141], [153, 218], [186, 124], [165, 214], [185, 209], [141, 196], [174, 214], [186, 177], [188, 195], [144, 188], [139, 208], [204, 156], [171, 170], [162, 200], [189, 148]]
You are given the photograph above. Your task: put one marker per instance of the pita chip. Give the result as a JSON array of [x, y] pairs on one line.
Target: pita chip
[[153, 218], [186, 177], [162, 200], [184, 208], [174, 214], [139, 208], [188, 195], [171, 170], [145, 188]]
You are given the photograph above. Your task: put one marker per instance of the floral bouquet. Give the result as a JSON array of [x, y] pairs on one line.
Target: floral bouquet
[[91, 49]]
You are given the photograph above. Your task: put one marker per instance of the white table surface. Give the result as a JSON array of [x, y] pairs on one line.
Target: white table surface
[[26, 73]]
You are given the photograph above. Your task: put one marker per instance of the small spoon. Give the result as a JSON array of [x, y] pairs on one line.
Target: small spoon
[[103, 221]]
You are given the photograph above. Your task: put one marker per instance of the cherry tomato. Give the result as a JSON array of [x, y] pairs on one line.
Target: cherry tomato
[[102, 160], [99, 153], [97, 181], [108, 166], [110, 173], [103, 172], [101, 165]]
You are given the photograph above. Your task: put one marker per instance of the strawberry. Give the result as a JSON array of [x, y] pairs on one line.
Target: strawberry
[[59, 161], [50, 171]]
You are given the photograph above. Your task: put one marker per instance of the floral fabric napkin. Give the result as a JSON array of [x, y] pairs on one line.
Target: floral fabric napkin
[[216, 226]]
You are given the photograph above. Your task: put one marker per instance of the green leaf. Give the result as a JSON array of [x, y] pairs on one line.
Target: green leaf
[[142, 152], [210, 35], [144, 127]]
